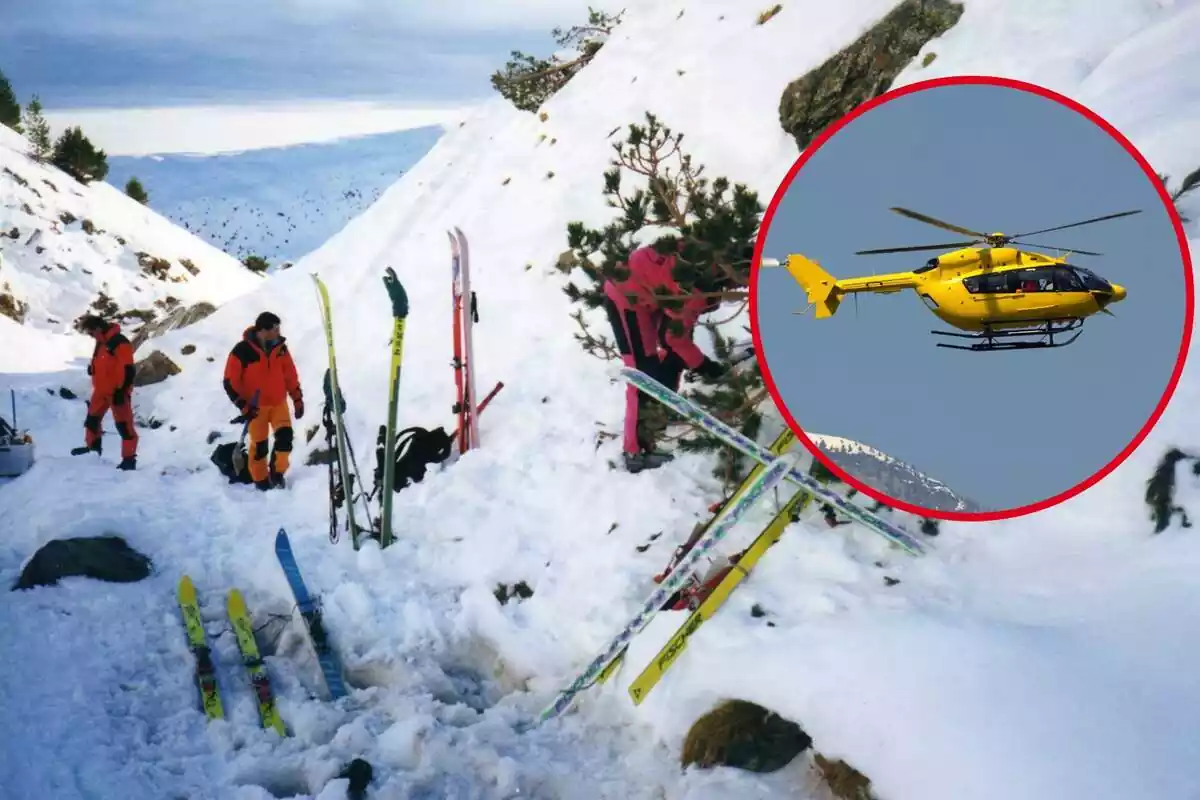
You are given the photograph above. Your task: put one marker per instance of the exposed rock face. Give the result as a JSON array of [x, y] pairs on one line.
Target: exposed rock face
[[864, 69], [179, 318], [154, 368]]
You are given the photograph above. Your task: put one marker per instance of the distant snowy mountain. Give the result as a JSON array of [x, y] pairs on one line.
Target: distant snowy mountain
[[892, 476], [279, 203], [67, 249]]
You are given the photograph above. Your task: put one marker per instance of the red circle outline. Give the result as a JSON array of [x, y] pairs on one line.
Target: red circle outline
[[1151, 174]]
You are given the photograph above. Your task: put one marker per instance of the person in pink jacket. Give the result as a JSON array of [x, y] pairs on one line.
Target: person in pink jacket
[[641, 323]]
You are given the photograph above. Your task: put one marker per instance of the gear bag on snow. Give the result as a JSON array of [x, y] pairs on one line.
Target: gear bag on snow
[[416, 449], [223, 458]]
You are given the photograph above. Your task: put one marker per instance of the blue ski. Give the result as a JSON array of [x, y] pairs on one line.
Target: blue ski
[[733, 438], [330, 665]]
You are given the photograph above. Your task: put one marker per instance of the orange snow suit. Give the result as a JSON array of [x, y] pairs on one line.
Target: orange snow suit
[[251, 369], [112, 373]]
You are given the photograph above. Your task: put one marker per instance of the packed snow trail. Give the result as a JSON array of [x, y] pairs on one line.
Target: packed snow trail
[[1006, 665]]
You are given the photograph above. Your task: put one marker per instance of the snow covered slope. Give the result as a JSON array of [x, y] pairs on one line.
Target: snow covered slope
[[891, 475], [1038, 659], [67, 246], [280, 202]]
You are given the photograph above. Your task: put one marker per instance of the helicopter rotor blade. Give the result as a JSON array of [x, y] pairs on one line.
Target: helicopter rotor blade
[[928, 220], [1052, 247], [1077, 224], [946, 246]]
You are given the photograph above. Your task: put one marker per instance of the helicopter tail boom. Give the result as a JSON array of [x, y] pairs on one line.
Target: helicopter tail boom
[[821, 287]]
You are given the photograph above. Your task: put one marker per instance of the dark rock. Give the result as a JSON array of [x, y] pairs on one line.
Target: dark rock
[[66, 394], [154, 368], [105, 558], [359, 773], [744, 735], [843, 780], [864, 69]]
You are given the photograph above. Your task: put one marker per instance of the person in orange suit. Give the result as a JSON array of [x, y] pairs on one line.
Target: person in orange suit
[[261, 365], [112, 374]]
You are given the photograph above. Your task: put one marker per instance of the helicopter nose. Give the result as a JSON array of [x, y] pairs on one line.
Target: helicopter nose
[[1118, 293]]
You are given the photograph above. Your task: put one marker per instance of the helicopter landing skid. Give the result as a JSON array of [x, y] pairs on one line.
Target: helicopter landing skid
[[1034, 337]]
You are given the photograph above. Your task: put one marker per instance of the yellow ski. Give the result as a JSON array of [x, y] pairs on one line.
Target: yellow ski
[[239, 618], [206, 673], [652, 674], [782, 442]]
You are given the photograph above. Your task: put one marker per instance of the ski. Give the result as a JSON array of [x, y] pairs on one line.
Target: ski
[[766, 480], [399, 300], [470, 317], [330, 665], [334, 393], [733, 438], [206, 672], [239, 619], [733, 576], [782, 442], [460, 386]]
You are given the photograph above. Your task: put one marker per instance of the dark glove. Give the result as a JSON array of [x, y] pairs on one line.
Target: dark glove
[[710, 370], [249, 412], [118, 397], [299, 404], [89, 369]]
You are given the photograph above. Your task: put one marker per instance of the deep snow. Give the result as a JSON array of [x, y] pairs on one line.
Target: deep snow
[[1045, 657]]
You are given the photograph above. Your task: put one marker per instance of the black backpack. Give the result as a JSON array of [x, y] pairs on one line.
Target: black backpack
[[223, 458], [416, 449]]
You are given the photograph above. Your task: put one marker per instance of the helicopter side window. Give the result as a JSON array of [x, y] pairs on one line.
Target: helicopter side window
[[989, 283], [1041, 279]]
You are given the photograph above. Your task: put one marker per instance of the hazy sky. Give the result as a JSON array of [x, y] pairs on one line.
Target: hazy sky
[[124, 53], [1007, 428]]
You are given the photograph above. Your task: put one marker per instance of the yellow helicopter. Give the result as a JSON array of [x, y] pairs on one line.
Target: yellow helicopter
[[1007, 297]]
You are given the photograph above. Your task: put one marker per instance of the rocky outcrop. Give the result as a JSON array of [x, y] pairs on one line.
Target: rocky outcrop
[[104, 558], [864, 69], [154, 368], [179, 318]]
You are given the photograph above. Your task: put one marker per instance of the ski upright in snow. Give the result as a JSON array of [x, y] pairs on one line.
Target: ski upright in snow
[[775, 472], [206, 672], [745, 444], [239, 619], [333, 397], [399, 301], [331, 666], [466, 313]]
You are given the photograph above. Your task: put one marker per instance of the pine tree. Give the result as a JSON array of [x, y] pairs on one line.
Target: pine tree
[[711, 228], [528, 82], [134, 189], [75, 155], [37, 130], [10, 109]]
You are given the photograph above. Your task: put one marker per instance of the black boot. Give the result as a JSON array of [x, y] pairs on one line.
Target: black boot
[[128, 463], [636, 462], [83, 451], [264, 485], [277, 481]]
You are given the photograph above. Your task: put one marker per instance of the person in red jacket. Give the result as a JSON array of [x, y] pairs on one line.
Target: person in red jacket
[[655, 337], [112, 373], [260, 366]]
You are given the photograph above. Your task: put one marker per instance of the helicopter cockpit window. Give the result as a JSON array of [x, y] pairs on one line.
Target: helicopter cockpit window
[[1066, 281], [1092, 281]]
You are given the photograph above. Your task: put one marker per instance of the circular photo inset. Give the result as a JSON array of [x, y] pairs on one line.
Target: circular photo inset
[[971, 298]]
